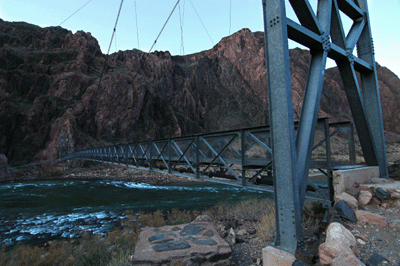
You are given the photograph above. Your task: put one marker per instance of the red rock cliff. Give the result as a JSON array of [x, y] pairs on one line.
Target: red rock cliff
[[50, 83]]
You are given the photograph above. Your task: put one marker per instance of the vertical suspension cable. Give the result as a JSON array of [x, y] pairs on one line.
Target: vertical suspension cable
[[137, 27], [181, 19], [230, 16]]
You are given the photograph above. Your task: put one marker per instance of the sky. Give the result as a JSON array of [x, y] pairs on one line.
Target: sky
[[195, 25]]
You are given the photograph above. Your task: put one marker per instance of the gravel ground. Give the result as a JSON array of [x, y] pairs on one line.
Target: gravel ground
[[382, 240]]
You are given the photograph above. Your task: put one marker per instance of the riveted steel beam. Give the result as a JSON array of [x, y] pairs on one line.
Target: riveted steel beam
[[370, 92], [286, 178]]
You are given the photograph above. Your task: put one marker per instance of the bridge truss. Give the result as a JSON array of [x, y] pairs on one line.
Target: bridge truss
[[240, 157], [323, 33]]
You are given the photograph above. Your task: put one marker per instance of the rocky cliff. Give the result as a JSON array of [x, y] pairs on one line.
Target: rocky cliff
[[53, 81]]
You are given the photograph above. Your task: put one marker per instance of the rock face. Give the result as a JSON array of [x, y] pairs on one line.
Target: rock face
[[53, 81]]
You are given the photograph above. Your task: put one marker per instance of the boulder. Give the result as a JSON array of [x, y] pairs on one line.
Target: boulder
[[364, 197], [345, 211], [382, 194], [242, 232], [395, 195], [371, 218], [277, 257], [231, 238], [338, 233], [330, 250], [338, 240], [346, 259], [354, 191], [349, 199], [203, 218]]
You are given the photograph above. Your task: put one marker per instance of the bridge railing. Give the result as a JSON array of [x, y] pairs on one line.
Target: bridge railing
[[240, 157]]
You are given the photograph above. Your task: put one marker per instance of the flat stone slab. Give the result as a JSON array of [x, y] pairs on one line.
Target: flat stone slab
[[197, 243]]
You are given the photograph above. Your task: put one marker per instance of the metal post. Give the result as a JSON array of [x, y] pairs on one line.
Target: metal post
[[126, 154], [197, 142], [286, 184], [370, 92], [169, 156], [352, 145], [243, 154], [329, 160], [150, 155]]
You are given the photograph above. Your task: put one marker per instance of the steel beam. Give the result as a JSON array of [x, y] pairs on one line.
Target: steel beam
[[370, 92], [286, 180]]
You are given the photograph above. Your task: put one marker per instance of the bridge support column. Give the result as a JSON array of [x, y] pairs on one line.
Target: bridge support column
[[323, 33], [286, 184]]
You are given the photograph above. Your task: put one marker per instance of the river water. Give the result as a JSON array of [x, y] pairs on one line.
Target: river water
[[38, 211]]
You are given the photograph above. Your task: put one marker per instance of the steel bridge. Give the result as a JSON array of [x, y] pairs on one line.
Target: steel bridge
[[240, 157], [283, 153]]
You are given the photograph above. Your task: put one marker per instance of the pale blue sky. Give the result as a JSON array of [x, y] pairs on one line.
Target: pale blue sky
[[98, 17]]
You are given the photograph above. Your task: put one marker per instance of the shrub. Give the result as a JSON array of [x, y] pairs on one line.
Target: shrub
[[176, 216], [55, 171], [93, 250], [248, 210], [57, 253], [20, 173], [266, 227]]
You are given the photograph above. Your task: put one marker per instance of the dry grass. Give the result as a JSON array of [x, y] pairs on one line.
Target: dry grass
[[259, 212]]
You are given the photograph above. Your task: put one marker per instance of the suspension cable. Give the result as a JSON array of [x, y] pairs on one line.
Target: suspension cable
[[115, 26], [75, 12], [158, 36], [202, 22], [137, 27], [181, 19], [109, 47], [230, 16]]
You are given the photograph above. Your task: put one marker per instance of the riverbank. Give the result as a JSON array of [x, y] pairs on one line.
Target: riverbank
[[123, 173], [58, 171]]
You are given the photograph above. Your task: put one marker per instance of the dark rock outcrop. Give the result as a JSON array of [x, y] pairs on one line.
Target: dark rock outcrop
[[53, 81]]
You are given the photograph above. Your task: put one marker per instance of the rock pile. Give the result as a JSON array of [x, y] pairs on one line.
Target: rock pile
[[340, 247]]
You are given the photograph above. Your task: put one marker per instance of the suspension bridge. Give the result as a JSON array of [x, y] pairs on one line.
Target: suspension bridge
[[240, 157]]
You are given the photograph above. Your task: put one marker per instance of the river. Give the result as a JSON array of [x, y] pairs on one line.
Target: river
[[39, 211]]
